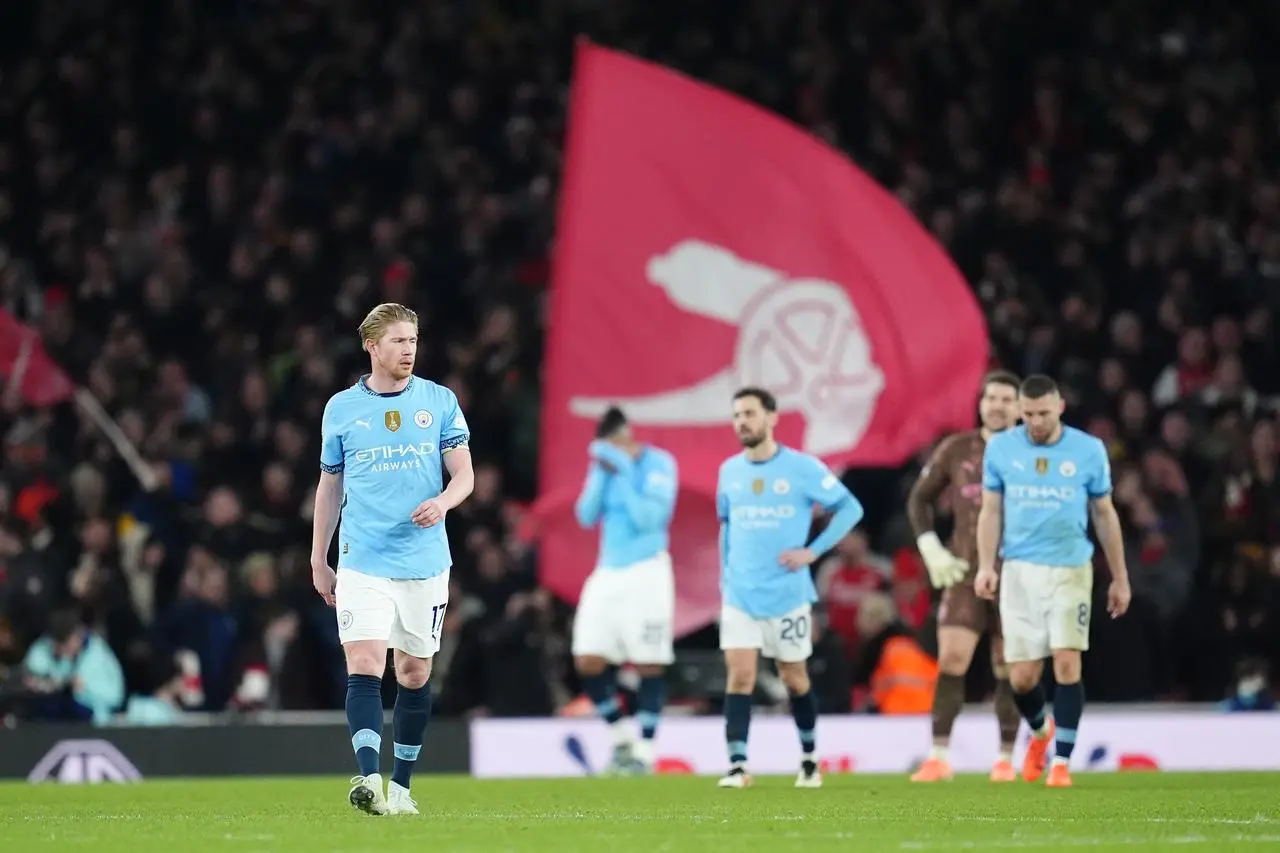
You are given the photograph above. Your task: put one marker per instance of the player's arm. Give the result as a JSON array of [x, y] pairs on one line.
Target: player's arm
[[328, 502], [945, 569], [722, 512], [462, 476], [455, 446], [834, 497], [928, 488], [591, 500], [651, 504], [991, 512], [325, 517], [990, 526], [1106, 521]]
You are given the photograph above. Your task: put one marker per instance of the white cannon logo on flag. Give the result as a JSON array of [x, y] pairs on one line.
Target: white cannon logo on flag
[[800, 338]]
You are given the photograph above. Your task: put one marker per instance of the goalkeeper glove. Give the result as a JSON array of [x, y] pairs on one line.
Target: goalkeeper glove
[[945, 568]]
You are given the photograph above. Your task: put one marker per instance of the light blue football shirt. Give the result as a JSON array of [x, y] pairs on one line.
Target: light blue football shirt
[[633, 505], [389, 448], [1046, 489], [766, 508]]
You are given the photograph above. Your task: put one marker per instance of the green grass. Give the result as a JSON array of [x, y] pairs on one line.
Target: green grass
[[1129, 812]]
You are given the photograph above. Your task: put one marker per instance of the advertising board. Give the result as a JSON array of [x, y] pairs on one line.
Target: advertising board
[[1108, 740]]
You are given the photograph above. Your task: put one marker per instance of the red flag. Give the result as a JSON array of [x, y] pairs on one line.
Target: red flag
[[705, 244], [40, 381]]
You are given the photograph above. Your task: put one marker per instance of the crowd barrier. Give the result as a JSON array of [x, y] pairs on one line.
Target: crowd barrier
[[75, 754], [1108, 740]]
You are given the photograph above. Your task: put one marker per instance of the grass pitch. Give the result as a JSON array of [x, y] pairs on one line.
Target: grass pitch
[[1122, 812]]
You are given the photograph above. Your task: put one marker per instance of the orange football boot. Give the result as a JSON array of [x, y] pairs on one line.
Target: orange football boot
[[1002, 771], [1038, 754], [1059, 776], [933, 770]]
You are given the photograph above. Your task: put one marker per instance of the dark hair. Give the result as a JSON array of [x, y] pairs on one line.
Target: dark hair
[[163, 670], [63, 624], [1038, 385], [767, 400], [610, 422], [1002, 377]]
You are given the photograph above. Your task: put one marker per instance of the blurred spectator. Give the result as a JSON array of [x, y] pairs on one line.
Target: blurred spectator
[[910, 588], [201, 621], [830, 667], [1252, 691], [72, 674], [900, 675], [163, 706], [845, 579]]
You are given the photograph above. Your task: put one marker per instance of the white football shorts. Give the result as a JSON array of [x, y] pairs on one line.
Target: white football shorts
[[405, 614], [787, 638], [627, 615], [1043, 608]]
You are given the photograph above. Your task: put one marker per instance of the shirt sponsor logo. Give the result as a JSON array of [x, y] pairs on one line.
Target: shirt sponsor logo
[[395, 457]]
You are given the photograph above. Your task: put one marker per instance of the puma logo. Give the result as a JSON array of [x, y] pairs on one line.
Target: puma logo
[[364, 424]]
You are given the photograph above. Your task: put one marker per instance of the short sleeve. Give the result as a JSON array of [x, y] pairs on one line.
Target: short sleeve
[[1099, 485], [992, 481], [824, 488], [454, 432], [332, 458]]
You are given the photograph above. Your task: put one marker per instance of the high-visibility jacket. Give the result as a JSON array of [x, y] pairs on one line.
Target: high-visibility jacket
[[904, 678]]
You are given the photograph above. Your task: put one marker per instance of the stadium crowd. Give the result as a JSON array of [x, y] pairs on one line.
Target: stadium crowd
[[199, 202]]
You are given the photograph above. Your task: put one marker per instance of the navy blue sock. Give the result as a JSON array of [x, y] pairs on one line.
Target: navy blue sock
[[805, 711], [649, 700], [1068, 705], [602, 690], [364, 719], [1031, 706], [737, 724], [409, 722]]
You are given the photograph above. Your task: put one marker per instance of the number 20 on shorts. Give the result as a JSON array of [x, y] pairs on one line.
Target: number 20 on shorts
[[794, 629]]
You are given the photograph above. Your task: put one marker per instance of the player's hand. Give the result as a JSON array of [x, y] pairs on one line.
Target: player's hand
[[429, 513], [1118, 597], [798, 558], [608, 456], [325, 581], [986, 583], [945, 568]]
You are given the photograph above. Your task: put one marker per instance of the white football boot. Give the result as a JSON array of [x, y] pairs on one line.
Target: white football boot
[[809, 775], [399, 801], [366, 794], [737, 777]]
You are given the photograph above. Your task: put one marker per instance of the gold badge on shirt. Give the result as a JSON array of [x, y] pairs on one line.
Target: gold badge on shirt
[[1042, 465], [392, 420], [757, 486]]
